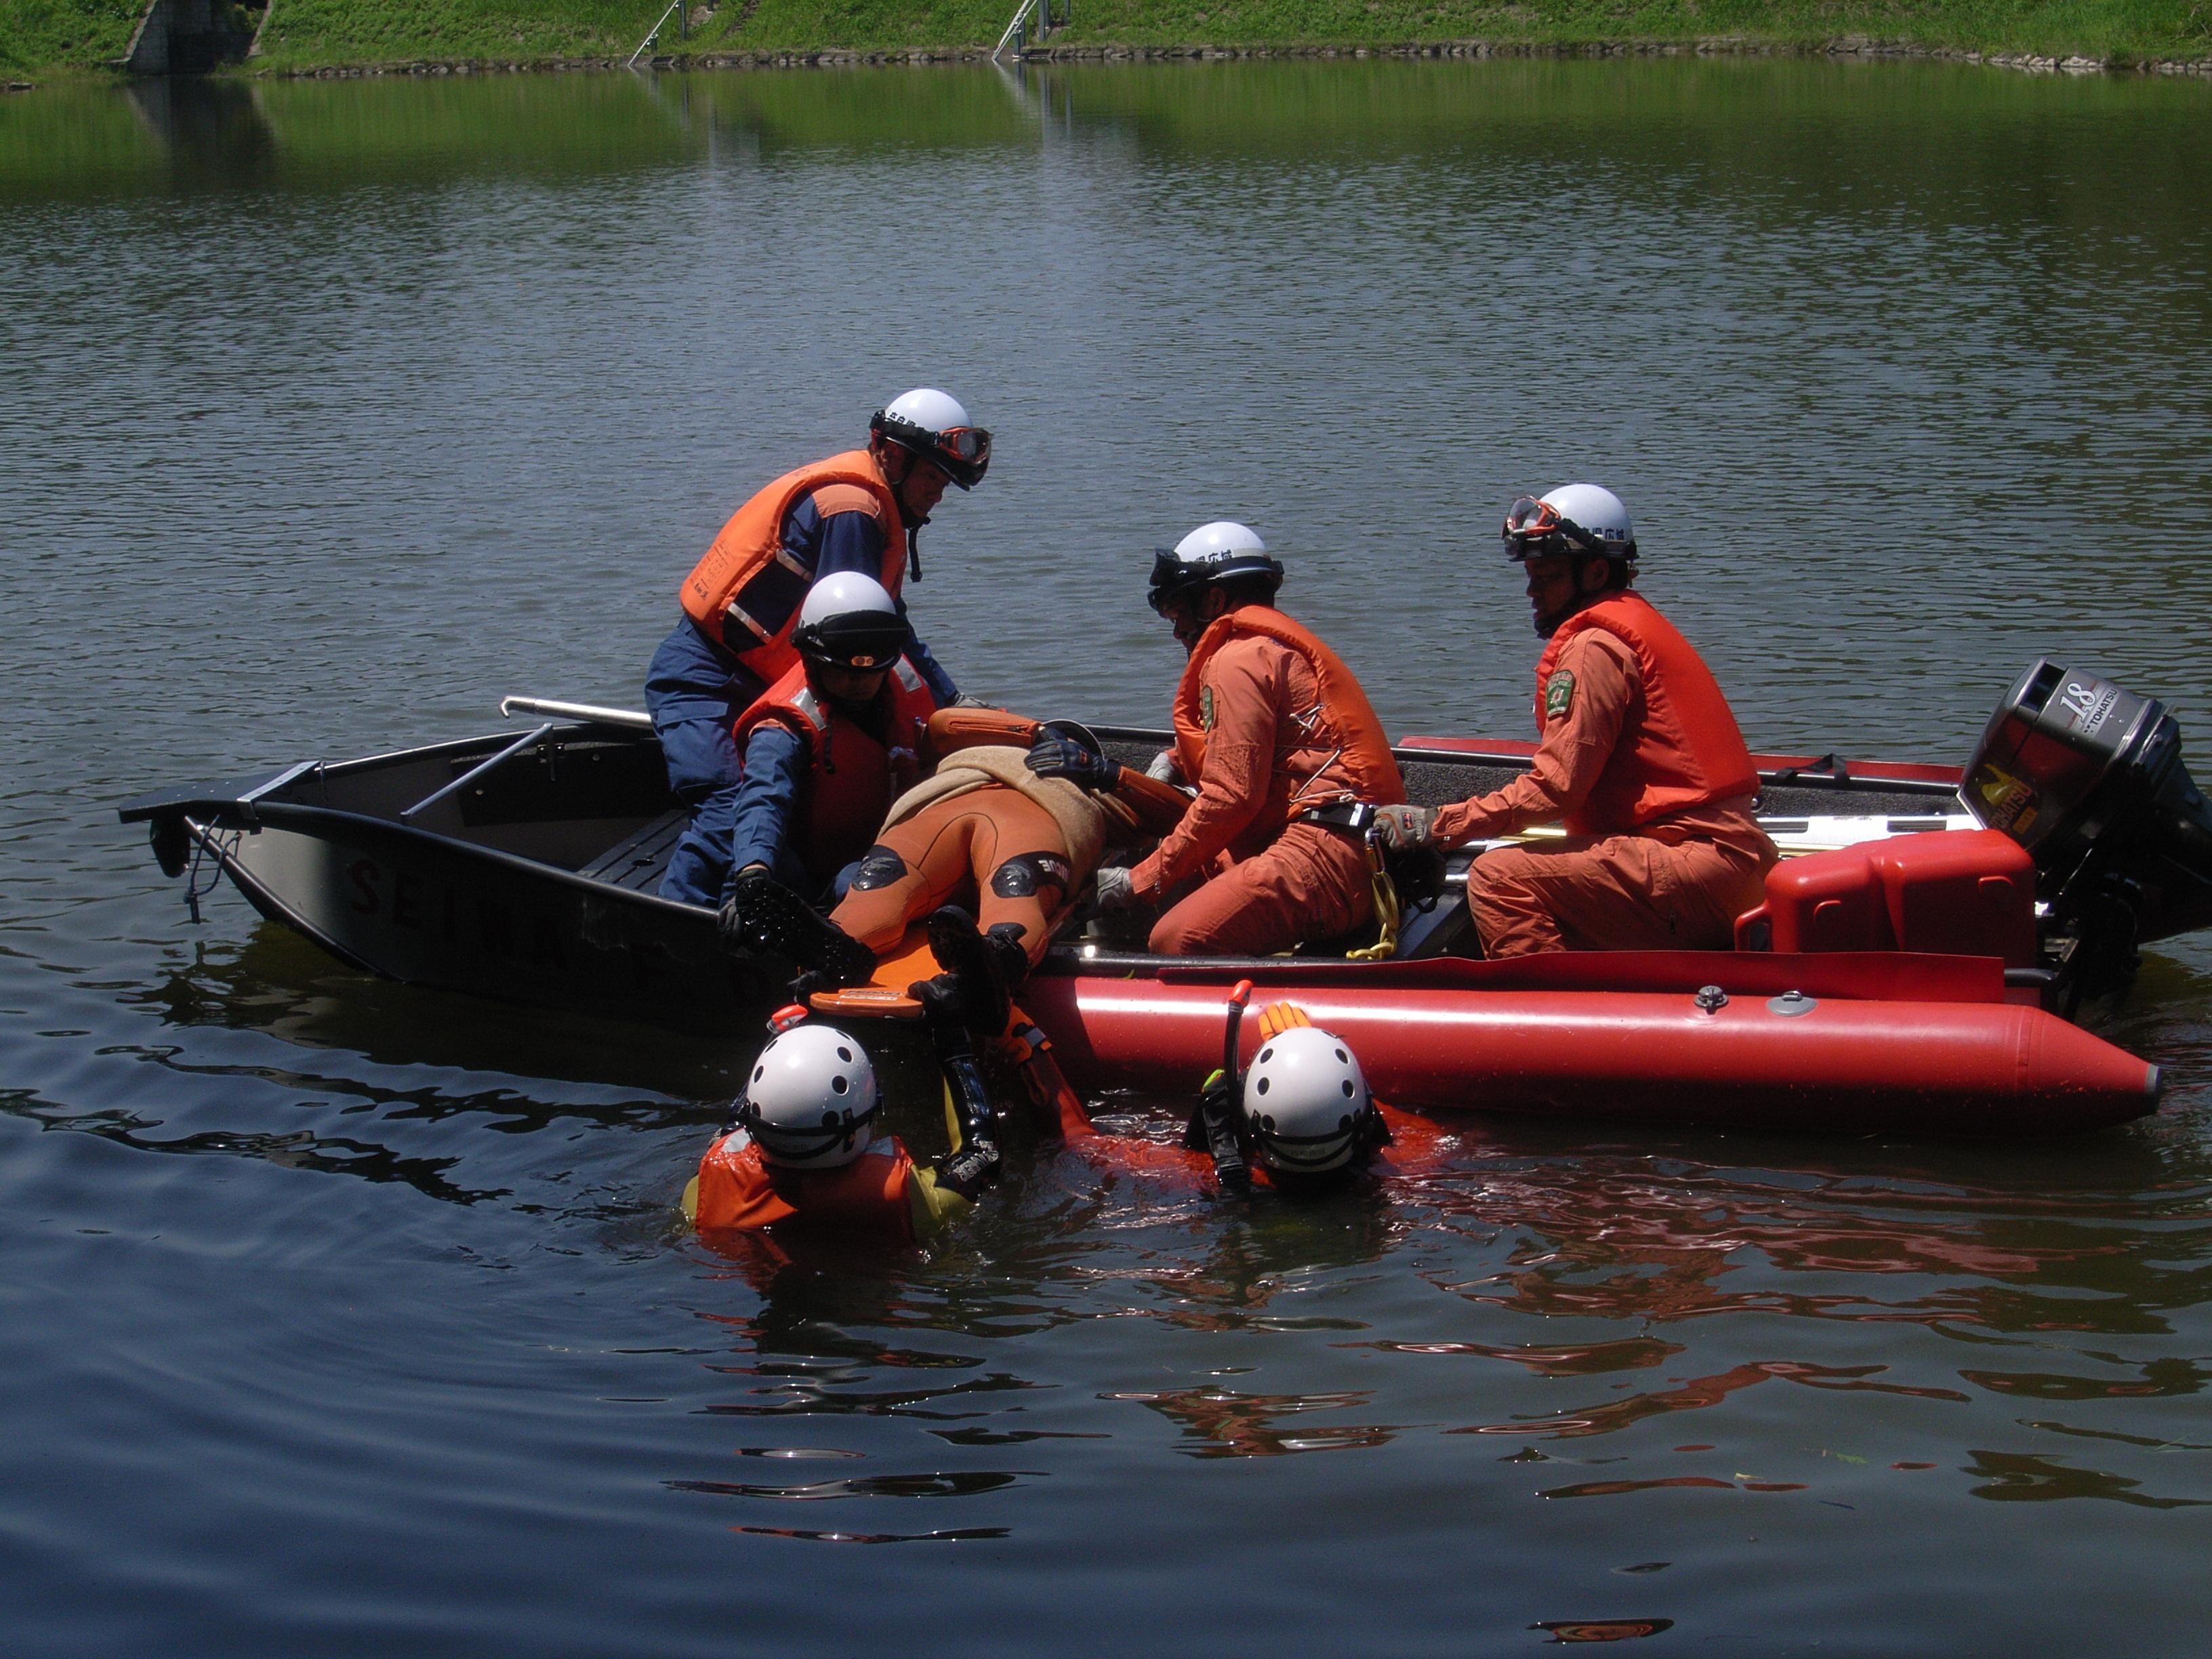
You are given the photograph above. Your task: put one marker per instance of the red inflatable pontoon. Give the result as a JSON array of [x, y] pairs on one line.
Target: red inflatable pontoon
[[1834, 1043]]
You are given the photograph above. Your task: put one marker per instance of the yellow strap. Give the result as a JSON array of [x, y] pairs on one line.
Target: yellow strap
[[1387, 914], [951, 1117]]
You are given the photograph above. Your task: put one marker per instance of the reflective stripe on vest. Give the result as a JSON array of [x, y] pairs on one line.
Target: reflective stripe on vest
[[740, 1190], [851, 778], [1685, 751], [745, 591], [1347, 722]]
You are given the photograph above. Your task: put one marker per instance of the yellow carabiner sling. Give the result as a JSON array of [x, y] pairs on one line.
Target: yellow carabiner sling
[[1388, 915]]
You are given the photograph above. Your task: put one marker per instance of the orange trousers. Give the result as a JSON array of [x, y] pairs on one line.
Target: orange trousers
[[1623, 893], [954, 851], [1309, 883]]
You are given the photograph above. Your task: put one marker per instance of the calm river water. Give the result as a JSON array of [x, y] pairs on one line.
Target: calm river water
[[344, 1319]]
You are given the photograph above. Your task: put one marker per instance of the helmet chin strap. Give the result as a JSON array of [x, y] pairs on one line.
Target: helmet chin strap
[[915, 522]]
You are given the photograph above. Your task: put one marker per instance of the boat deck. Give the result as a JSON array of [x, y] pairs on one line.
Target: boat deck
[[636, 862]]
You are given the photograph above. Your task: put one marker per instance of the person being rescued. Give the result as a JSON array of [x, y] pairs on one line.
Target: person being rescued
[[862, 512], [1641, 758], [827, 748], [1006, 837], [800, 1150], [1287, 758], [1014, 833], [1299, 1119]]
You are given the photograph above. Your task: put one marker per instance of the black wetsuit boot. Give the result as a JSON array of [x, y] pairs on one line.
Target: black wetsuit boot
[[964, 1004]]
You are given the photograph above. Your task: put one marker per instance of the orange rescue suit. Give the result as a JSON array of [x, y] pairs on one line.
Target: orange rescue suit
[[852, 778], [740, 1190], [1686, 750], [1341, 727], [751, 542]]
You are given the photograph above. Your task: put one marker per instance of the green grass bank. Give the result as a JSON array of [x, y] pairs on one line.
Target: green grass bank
[[55, 38]]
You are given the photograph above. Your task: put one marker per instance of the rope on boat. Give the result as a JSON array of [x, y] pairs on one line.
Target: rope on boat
[[1388, 912], [202, 844]]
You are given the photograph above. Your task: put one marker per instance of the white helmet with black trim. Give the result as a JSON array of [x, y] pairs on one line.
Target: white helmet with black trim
[[1306, 1106], [850, 620], [1216, 552], [1584, 519], [811, 1098], [933, 426]]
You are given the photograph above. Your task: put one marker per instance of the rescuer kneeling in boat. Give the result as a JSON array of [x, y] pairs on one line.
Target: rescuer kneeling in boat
[[1640, 756], [800, 1150], [858, 512], [1287, 758], [829, 747]]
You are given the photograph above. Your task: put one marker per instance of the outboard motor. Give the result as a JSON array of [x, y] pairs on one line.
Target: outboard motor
[[2089, 779]]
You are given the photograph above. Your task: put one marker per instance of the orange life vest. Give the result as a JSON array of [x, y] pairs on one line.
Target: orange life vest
[[1685, 751], [1345, 722], [851, 778], [740, 1190], [747, 566]]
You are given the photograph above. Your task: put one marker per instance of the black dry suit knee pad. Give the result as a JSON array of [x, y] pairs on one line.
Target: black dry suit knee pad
[[879, 868], [1020, 876]]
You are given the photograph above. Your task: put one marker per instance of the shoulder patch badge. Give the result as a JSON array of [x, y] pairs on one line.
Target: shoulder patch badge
[[1559, 694], [1206, 707]]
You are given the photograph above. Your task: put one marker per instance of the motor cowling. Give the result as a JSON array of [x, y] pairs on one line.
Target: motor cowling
[[2088, 778]]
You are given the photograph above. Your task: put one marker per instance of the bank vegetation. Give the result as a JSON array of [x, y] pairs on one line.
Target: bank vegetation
[[53, 39]]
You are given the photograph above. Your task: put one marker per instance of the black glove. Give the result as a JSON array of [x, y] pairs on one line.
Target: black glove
[[1212, 1130], [969, 1170], [1053, 756], [735, 921]]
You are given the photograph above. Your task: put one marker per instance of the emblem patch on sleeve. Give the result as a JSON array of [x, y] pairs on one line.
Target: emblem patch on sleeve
[[1206, 707], [1559, 694]]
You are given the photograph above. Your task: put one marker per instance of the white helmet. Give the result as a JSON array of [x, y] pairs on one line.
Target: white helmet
[[1305, 1102], [1224, 538], [849, 620], [810, 1099], [1577, 518], [933, 425], [1212, 553]]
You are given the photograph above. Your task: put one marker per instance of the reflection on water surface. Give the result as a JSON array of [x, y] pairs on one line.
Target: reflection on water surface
[[347, 407]]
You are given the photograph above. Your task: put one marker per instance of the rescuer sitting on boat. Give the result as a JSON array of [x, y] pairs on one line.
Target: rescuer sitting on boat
[[800, 1150], [1287, 758], [829, 746], [858, 512], [1640, 756]]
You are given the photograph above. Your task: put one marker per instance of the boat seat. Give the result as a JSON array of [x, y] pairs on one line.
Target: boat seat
[[637, 860]]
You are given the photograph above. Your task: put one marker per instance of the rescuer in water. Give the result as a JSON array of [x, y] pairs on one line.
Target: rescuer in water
[[858, 512], [1640, 756], [1299, 1118], [1288, 760], [800, 1151], [827, 748]]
